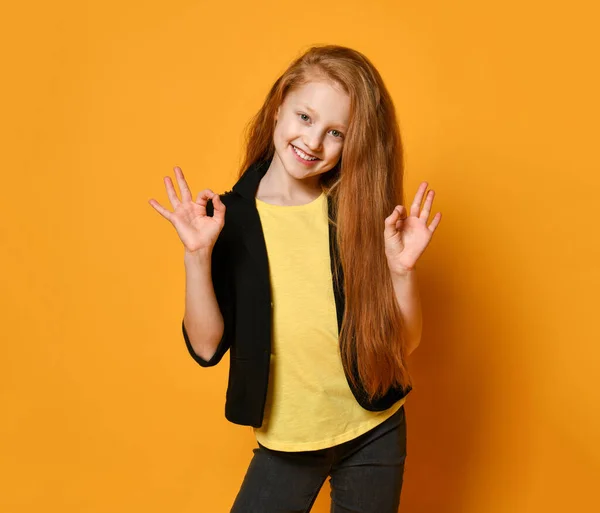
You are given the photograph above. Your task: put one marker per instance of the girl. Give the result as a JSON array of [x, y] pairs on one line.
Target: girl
[[305, 271]]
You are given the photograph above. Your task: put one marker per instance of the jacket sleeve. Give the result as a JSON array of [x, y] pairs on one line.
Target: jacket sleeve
[[222, 283]]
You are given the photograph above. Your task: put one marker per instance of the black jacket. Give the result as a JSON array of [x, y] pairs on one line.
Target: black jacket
[[240, 274]]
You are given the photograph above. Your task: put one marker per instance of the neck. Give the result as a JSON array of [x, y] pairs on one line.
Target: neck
[[277, 185]]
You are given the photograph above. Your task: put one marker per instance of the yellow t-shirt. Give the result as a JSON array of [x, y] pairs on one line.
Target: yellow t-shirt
[[309, 404]]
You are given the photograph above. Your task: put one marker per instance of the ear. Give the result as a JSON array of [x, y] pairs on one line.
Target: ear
[[277, 113]]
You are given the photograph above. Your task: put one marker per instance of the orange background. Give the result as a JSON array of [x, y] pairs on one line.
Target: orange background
[[104, 411]]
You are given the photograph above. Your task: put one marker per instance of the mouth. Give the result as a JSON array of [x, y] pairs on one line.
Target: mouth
[[302, 154]]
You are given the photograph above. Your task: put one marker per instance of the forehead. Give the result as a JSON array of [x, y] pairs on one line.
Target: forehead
[[325, 99]]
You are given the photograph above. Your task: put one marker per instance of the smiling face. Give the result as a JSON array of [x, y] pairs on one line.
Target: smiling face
[[311, 125]]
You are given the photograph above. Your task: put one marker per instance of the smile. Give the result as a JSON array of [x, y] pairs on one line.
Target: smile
[[303, 155]]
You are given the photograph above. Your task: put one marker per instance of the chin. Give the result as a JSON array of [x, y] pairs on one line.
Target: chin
[[298, 174]]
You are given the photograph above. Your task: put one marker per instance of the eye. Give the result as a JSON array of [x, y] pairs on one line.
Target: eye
[[340, 136]]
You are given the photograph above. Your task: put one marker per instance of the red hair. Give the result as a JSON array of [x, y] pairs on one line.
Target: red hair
[[364, 187]]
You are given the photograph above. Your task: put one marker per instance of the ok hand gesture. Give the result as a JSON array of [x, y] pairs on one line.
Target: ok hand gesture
[[196, 230], [406, 237]]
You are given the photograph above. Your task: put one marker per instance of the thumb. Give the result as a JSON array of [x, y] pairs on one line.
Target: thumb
[[394, 221]]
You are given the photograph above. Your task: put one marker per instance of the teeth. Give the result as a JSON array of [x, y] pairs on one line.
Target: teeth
[[302, 154]]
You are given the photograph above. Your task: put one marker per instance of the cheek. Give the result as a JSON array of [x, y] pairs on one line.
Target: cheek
[[335, 152], [282, 132]]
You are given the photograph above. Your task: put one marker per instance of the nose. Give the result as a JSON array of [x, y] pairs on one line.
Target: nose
[[313, 140]]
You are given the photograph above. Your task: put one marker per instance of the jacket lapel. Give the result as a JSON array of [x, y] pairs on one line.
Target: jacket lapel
[[249, 219]]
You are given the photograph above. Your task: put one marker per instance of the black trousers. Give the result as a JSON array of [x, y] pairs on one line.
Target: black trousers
[[365, 474]]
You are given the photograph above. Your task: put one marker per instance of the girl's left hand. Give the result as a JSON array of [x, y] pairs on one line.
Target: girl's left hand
[[406, 237]]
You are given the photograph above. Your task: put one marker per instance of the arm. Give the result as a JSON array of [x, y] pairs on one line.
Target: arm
[[407, 295], [202, 324]]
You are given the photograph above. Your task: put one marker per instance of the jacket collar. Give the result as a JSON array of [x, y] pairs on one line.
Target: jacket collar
[[247, 185]]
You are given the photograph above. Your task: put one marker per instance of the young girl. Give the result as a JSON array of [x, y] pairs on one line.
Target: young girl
[[305, 271]]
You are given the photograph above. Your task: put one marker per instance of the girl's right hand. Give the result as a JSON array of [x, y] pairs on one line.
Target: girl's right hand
[[196, 230]]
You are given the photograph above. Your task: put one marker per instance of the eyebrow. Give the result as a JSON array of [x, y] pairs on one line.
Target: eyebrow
[[313, 112]]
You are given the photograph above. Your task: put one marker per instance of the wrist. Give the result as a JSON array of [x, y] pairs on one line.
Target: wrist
[[403, 273], [198, 256]]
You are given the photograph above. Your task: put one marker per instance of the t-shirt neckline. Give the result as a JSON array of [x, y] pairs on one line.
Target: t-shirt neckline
[[293, 207]]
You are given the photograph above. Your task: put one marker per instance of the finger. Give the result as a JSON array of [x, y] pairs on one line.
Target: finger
[[399, 212], [203, 197], [427, 206], [435, 221], [416, 204], [391, 222], [172, 195], [402, 210], [219, 210], [160, 209], [393, 217], [402, 216], [186, 195]]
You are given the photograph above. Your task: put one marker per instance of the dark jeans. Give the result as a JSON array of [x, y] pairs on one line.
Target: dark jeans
[[365, 474]]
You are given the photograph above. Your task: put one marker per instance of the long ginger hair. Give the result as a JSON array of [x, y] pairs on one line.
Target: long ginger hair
[[364, 187]]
